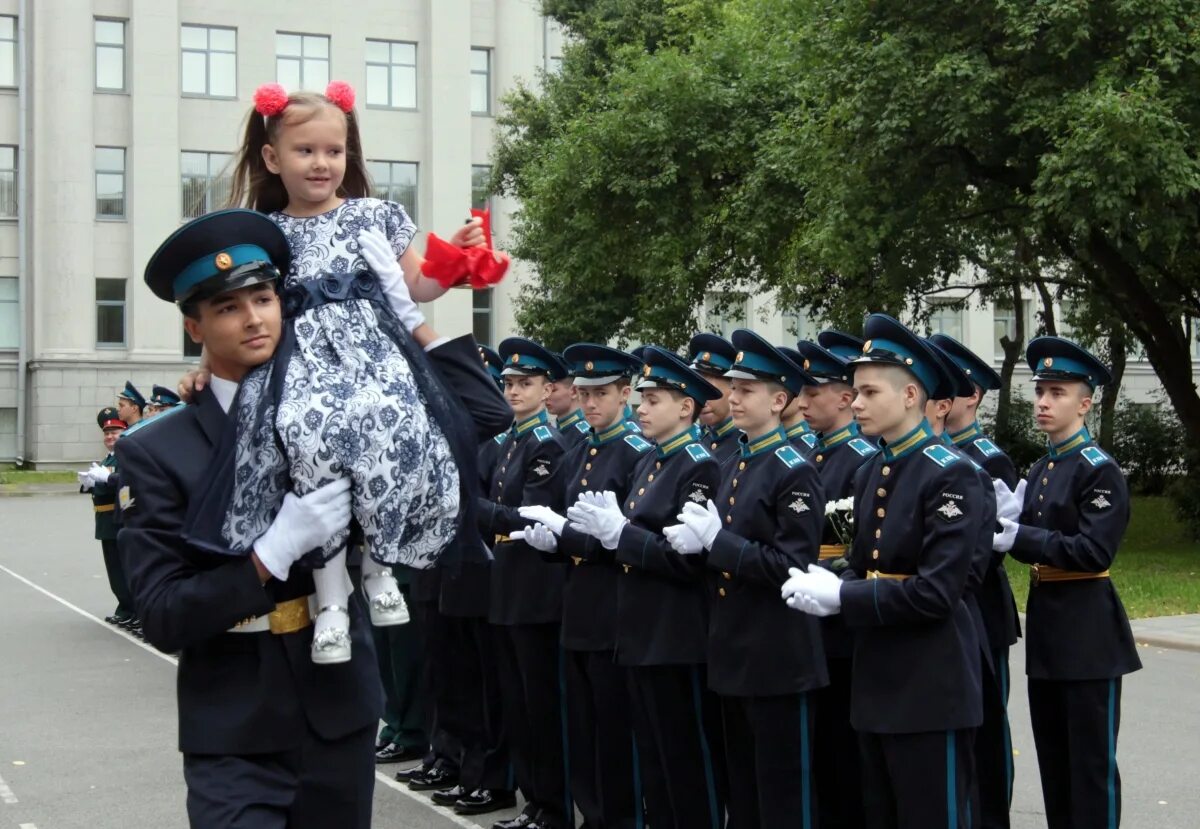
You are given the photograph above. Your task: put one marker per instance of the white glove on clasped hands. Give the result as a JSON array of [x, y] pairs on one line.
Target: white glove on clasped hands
[[539, 537], [597, 514], [704, 523], [377, 252], [85, 479], [303, 524], [682, 540], [543, 515], [817, 592], [1009, 502], [1004, 540], [99, 474]]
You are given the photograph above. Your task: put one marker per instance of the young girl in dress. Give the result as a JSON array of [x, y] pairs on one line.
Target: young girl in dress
[[349, 393]]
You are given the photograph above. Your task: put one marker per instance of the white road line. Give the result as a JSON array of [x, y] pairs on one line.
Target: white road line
[[6, 794], [27, 826]]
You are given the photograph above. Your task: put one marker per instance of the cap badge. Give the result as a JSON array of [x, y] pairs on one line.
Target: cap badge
[[589, 366], [223, 261], [1049, 361], [807, 365], [706, 356], [741, 356], [908, 361], [646, 371], [867, 346], [516, 358]]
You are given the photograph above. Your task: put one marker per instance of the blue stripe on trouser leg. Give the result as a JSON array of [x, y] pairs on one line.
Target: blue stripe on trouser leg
[[951, 783], [805, 764], [569, 812], [705, 752], [1112, 754], [639, 812]]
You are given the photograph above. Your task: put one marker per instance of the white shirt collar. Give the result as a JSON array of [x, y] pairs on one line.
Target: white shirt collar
[[224, 390]]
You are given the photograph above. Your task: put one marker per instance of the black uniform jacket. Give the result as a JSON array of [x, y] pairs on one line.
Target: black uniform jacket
[[772, 508], [606, 461], [662, 607], [722, 441], [466, 591], [1075, 514], [525, 589], [104, 501], [574, 429], [916, 655], [803, 438]]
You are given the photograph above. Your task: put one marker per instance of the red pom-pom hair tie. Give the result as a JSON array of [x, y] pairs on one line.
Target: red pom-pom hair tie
[[270, 99], [341, 95]]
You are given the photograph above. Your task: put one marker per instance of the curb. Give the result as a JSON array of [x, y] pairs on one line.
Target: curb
[[1166, 641], [33, 493]]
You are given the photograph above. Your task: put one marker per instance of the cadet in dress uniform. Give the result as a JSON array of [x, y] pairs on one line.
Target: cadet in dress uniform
[[711, 356], [161, 400], [98, 481], [662, 613], [799, 433], [841, 344], [130, 404], [563, 403], [762, 660], [993, 742], [526, 591], [1078, 640], [604, 784], [840, 451], [915, 696]]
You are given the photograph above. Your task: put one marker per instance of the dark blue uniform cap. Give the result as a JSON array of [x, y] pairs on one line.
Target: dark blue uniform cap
[[822, 363], [220, 251], [960, 383], [492, 361], [1053, 358], [981, 374], [131, 394], [711, 354], [889, 342], [110, 418], [597, 365], [522, 356], [757, 359], [162, 396], [639, 353], [846, 346], [561, 369], [664, 370]]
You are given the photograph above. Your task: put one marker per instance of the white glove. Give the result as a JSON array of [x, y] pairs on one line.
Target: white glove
[[538, 537], [99, 474], [377, 252], [1003, 541], [543, 515], [704, 523], [303, 524], [1009, 502], [817, 592], [604, 500], [598, 515], [682, 540], [85, 479]]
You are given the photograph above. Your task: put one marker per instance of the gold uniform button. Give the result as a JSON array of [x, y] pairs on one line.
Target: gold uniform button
[[591, 451], [587, 466], [721, 591], [728, 519], [1039, 514], [1050, 465], [820, 458], [650, 477], [875, 554], [1045, 481], [642, 491], [728, 576], [658, 465], [714, 446], [626, 566], [631, 504], [1041, 497], [881, 512], [878, 533], [742, 465], [887, 470], [732, 500], [583, 482], [503, 468], [735, 483], [881, 492]]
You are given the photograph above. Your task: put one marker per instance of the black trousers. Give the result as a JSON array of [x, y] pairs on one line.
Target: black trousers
[[918, 781], [116, 578], [406, 709], [605, 781], [469, 703], [993, 748], [531, 693], [676, 721], [1075, 727], [835, 752], [318, 785], [768, 750]]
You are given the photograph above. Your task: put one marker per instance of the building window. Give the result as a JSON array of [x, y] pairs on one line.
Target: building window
[[799, 326], [302, 61], [391, 74], [110, 182], [209, 61], [1004, 324], [206, 181], [481, 81], [8, 182], [10, 310], [8, 50], [110, 312], [481, 316], [725, 313], [191, 348], [481, 177], [110, 55], [395, 181], [946, 318]]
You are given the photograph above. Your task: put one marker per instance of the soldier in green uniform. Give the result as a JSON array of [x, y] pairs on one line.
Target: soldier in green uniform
[[96, 481]]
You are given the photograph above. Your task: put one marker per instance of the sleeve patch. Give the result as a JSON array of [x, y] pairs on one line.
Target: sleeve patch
[[126, 499], [699, 493], [1095, 455], [638, 442], [1099, 499], [950, 511], [790, 457], [541, 467], [697, 452], [863, 447], [941, 455], [987, 448], [542, 433]]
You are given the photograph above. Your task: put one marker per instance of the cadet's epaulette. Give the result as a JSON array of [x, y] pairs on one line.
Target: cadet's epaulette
[[639, 443], [542, 433], [810, 440], [863, 447], [941, 455], [583, 426], [697, 452], [790, 457], [634, 425], [988, 448], [500, 437], [1095, 455], [158, 418]]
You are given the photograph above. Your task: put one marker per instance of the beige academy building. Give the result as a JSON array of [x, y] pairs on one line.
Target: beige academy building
[[118, 119]]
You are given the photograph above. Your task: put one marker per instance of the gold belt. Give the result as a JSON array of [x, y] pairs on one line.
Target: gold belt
[[1039, 573], [500, 539], [829, 551], [104, 507], [287, 617], [875, 574]]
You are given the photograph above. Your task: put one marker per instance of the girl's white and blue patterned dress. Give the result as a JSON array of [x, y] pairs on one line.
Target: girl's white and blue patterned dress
[[347, 394]]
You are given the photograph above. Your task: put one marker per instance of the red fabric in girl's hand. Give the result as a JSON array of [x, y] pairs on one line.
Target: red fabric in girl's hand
[[451, 265]]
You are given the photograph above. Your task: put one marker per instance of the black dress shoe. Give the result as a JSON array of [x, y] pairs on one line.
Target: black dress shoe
[[521, 821], [404, 775], [392, 753], [437, 777], [448, 797], [482, 801]]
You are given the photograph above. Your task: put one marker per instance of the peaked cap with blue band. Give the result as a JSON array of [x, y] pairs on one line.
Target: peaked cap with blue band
[[960, 383], [522, 356], [846, 346], [823, 364], [493, 363], [639, 353], [757, 359], [663, 370], [888, 342], [1053, 358], [131, 394], [711, 354], [561, 369], [220, 251], [598, 365], [162, 396], [981, 374]]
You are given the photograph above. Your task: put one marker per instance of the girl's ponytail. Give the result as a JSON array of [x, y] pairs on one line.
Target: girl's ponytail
[[255, 186]]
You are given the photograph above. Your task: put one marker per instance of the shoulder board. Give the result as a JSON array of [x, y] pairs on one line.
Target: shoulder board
[[1095, 455], [863, 447], [988, 448], [638, 442], [500, 437], [941, 455], [542, 433], [150, 421], [790, 457], [810, 440], [697, 452], [583, 426], [634, 425]]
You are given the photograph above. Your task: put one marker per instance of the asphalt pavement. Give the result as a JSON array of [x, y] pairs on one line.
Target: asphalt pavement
[[87, 713]]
